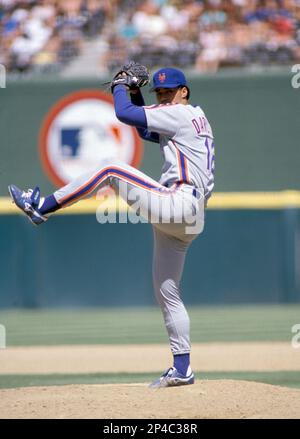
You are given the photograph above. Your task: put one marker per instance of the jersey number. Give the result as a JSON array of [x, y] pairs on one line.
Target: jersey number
[[210, 146]]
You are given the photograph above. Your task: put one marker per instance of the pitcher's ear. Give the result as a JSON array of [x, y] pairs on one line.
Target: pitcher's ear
[[185, 92]]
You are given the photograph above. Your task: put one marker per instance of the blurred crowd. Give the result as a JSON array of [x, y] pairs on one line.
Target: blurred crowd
[[206, 35], [45, 35]]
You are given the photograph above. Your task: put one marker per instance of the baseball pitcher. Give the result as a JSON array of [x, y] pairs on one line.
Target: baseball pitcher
[[175, 205]]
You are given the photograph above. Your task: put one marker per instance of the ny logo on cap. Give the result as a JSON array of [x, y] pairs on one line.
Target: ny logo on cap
[[162, 77]]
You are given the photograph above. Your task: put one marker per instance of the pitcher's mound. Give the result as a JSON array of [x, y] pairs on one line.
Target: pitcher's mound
[[205, 399]]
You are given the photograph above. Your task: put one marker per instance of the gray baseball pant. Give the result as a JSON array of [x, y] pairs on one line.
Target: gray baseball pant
[[177, 215]]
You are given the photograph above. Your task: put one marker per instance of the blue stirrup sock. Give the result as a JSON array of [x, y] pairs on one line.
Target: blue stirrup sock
[[48, 205], [181, 363]]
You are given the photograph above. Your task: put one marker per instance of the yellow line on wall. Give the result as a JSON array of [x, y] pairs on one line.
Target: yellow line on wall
[[255, 200], [220, 200]]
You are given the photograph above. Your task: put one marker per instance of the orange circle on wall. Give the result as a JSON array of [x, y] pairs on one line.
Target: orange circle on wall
[[80, 129]]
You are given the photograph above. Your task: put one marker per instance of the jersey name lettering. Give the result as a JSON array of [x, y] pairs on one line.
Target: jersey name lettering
[[201, 125]]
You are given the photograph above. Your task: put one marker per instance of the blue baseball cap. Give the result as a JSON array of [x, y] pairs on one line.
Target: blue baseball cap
[[168, 78]]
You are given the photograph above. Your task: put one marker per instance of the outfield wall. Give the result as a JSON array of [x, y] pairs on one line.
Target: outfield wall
[[243, 256]]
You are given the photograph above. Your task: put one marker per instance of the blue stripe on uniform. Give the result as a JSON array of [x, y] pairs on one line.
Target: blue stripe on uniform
[[99, 177], [182, 167]]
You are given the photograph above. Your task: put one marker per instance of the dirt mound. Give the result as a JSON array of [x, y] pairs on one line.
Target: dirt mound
[[205, 399]]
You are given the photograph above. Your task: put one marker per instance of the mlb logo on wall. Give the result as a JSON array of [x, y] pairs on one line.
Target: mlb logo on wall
[[81, 130]]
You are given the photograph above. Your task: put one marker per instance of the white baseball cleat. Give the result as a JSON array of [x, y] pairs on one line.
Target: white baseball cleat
[[171, 377]]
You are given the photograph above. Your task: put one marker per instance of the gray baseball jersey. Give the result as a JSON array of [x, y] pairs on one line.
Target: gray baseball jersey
[[187, 144]]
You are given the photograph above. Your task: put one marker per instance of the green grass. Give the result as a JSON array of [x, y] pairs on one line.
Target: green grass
[[287, 379], [145, 325]]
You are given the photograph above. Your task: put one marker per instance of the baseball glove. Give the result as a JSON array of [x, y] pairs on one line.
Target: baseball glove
[[133, 75]]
